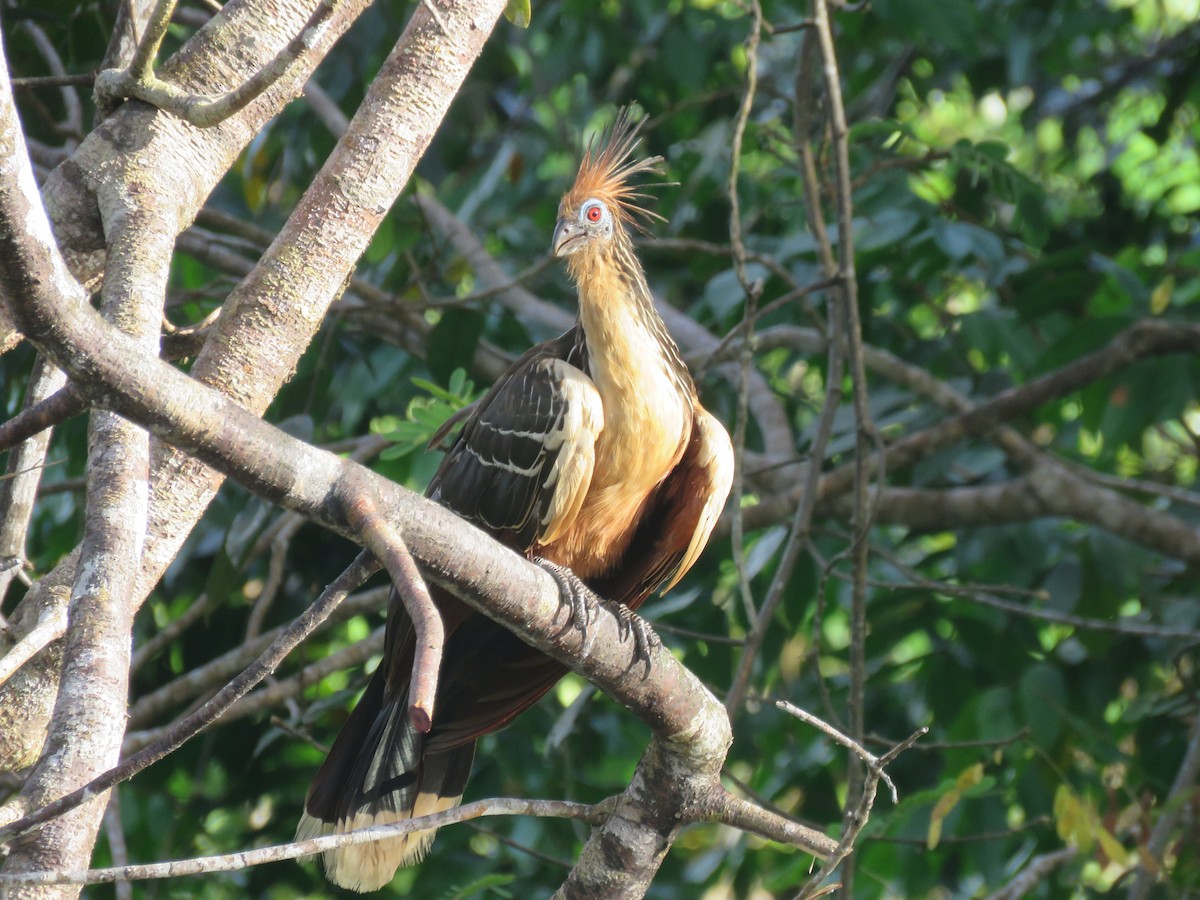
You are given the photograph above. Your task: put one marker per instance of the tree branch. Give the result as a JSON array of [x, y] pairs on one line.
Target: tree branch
[[270, 319], [232, 862], [302, 627], [140, 82], [23, 474], [1146, 338]]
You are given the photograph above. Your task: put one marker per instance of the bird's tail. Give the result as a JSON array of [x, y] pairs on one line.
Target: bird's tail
[[376, 773]]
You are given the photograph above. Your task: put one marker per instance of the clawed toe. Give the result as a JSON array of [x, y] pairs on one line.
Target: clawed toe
[[572, 593], [575, 596], [645, 641]]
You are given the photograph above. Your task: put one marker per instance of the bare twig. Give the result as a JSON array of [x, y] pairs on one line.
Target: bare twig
[[279, 691], [114, 830], [52, 624], [290, 524], [18, 487], [751, 293], [63, 404], [170, 631], [848, 742], [140, 82], [1187, 777], [304, 625], [73, 125], [363, 515], [856, 817], [231, 862], [208, 678], [865, 433], [1034, 874], [984, 595]]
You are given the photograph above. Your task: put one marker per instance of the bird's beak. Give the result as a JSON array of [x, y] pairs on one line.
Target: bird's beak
[[567, 237]]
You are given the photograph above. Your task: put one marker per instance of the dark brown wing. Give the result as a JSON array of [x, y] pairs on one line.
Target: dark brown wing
[[523, 461], [519, 468]]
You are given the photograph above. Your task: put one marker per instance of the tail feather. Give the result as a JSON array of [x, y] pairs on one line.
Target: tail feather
[[378, 773]]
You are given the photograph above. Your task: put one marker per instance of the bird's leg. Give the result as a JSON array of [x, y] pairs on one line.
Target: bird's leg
[[572, 593]]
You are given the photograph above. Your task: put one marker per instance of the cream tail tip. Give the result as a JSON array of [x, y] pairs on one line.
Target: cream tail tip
[[367, 866]]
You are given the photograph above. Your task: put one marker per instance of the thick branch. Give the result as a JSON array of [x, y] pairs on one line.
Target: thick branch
[[270, 319], [139, 80], [1146, 338], [1049, 489], [84, 737]]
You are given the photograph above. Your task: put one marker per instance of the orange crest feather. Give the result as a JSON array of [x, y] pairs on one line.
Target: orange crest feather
[[606, 169]]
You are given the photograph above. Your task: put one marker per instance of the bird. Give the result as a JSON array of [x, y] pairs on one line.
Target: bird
[[592, 455]]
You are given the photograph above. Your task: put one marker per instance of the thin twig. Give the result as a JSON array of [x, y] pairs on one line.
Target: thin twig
[[232, 862], [363, 515], [63, 404], [1034, 874], [846, 741], [751, 292], [865, 432], [358, 572], [73, 125], [51, 625], [279, 691], [983, 595], [981, 837], [857, 817], [204, 680], [114, 830], [928, 746], [86, 79], [140, 82], [1177, 801], [276, 569], [169, 632], [22, 477]]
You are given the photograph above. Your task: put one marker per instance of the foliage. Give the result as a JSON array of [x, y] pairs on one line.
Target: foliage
[[1026, 187], [425, 416]]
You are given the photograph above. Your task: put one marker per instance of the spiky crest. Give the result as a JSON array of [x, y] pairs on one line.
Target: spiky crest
[[607, 167]]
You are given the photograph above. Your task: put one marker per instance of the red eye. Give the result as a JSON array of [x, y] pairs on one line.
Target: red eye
[[593, 213]]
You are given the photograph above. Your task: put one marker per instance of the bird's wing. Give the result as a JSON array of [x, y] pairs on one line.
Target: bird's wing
[[523, 461], [679, 517]]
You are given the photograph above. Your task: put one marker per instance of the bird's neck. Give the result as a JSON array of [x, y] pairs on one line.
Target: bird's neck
[[646, 390], [630, 352]]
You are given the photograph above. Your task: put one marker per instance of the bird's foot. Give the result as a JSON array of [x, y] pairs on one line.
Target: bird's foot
[[645, 641], [572, 594], [576, 596]]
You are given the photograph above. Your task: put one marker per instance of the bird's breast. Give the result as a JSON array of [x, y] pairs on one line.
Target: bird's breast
[[647, 423]]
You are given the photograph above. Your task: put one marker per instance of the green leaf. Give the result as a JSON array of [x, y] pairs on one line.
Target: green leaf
[[424, 416], [518, 12]]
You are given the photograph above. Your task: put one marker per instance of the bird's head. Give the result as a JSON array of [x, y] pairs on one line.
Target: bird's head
[[602, 204]]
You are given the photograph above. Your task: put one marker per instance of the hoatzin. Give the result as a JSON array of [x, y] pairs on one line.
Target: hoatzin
[[592, 453]]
